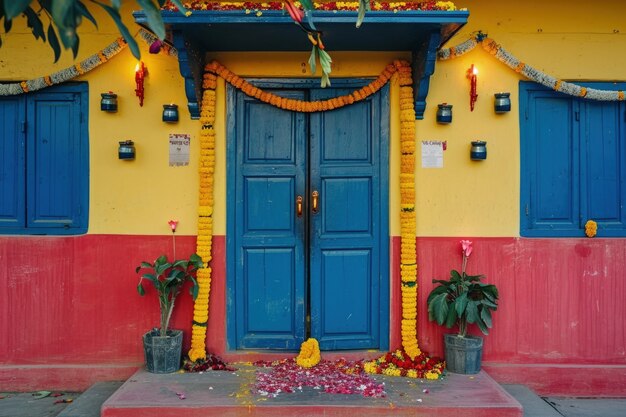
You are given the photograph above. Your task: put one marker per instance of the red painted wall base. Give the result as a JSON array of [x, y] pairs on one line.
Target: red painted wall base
[[563, 380]]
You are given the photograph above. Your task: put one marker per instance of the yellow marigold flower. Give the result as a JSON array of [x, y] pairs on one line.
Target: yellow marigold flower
[[591, 228]]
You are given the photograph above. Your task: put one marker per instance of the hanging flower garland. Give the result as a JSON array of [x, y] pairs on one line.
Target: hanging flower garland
[[408, 260], [527, 71], [83, 67], [66, 74], [205, 218]]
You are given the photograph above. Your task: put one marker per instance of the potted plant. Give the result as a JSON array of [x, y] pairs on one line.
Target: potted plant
[[162, 346], [463, 300]]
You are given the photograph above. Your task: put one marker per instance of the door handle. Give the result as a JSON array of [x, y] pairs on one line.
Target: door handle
[[299, 206], [315, 201]]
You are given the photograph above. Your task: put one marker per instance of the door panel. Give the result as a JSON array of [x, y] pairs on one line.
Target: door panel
[[12, 162], [270, 269], [326, 265], [346, 233]]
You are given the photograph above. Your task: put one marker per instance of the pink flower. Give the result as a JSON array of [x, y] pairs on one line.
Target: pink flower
[[466, 247], [173, 224]]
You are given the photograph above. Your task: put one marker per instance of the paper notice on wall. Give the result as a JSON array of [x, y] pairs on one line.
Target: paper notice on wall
[[432, 154], [179, 149]]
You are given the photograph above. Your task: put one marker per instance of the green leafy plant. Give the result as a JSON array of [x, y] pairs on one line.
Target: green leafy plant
[[463, 299], [168, 279], [63, 17]]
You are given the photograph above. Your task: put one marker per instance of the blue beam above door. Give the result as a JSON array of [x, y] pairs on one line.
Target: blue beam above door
[[420, 32]]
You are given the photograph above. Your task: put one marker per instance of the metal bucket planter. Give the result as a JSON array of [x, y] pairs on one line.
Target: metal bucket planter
[[463, 354], [163, 353]]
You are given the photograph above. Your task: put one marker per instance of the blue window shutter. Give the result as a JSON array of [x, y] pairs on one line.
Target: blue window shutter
[[56, 182], [604, 164], [550, 160], [12, 191]]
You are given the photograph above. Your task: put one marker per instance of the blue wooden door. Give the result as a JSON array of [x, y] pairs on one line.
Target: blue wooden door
[[12, 162], [307, 237]]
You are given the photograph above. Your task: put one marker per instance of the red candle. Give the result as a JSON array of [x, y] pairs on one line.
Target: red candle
[[472, 73], [140, 73]]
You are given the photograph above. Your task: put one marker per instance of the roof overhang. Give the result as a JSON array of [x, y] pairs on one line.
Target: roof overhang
[[420, 32]]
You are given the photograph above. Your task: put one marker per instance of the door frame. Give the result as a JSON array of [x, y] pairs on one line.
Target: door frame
[[231, 158]]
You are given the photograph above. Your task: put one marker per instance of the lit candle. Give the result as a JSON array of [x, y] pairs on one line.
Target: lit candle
[[140, 73], [472, 73]]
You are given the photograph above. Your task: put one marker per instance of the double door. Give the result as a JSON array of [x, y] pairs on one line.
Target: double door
[[308, 223]]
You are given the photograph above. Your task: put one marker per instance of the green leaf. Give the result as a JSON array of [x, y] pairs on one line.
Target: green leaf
[[485, 301], [471, 312], [460, 304], [116, 3], [194, 288], [151, 277], [325, 80], [75, 46], [196, 260], [33, 21], [455, 276], [115, 15], [325, 61], [436, 291], [140, 289], [8, 23], [473, 278], [485, 316], [82, 9], [364, 5], [54, 42], [13, 8], [153, 14], [180, 6], [482, 327], [312, 59], [438, 308], [451, 318], [61, 12]]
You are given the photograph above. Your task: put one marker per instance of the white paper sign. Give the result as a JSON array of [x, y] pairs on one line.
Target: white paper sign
[[432, 154], [179, 149]]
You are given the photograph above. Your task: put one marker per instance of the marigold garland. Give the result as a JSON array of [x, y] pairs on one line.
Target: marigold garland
[[205, 218], [591, 228], [310, 354], [248, 6], [408, 265], [527, 71]]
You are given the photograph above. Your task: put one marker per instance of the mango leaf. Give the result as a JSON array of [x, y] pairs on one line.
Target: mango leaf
[[155, 21], [116, 3], [325, 61], [54, 42], [61, 12], [8, 23], [325, 80], [313, 60], [179, 5], [33, 21], [115, 15], [82, 9], [364, 5], [14, 7]]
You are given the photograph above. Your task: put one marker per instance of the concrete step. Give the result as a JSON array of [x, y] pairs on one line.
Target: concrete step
[[88, 404], [228, 394], [533, 405]]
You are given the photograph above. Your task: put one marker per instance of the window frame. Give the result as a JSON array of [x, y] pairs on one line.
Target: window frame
[[579, 135], [80, 182]]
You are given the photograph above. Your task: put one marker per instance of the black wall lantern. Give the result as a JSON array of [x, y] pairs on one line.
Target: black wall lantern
[[478, 151], [108, 102], [170, 113], [444, 113], [126, 150], [502, 102]]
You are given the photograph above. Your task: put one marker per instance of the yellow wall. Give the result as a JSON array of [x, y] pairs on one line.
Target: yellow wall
[[571, 40]]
